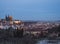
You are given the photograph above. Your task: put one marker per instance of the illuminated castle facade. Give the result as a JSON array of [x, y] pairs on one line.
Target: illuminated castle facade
[[10, 22]]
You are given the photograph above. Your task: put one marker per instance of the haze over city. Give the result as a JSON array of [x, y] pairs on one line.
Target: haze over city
[[47, 10]]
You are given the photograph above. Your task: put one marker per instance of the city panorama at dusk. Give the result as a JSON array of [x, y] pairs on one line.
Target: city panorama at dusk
[[29, 21]]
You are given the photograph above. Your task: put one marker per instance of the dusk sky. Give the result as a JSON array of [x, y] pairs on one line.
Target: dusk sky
[[48, 10]]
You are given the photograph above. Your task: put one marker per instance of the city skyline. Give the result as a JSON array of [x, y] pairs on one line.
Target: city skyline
[[47, 10]]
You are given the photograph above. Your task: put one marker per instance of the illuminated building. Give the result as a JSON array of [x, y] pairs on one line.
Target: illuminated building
[[8, 18]]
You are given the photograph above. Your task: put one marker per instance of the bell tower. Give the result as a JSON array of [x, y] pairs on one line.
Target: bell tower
[[8, 18]]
